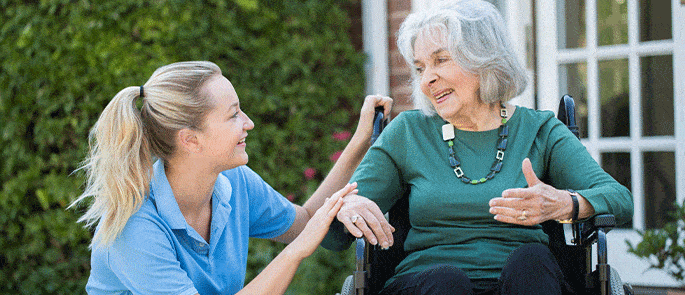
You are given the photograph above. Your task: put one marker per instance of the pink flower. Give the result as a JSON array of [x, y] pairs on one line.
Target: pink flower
[[309, 173], [334, 157], [290, 197], [344, 135]]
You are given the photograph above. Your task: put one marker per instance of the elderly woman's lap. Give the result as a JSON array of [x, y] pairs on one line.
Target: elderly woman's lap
[[530, 269]]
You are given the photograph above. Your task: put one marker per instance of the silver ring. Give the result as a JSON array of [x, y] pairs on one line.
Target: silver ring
[[354, 218]]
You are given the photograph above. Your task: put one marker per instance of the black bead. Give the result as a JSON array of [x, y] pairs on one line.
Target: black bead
[[504, 130], [454, 162], [502, 144], [465, 179], [497, 166], [490, 175]]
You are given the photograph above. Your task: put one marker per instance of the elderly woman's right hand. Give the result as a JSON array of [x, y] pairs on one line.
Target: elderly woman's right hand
[[362, 217]]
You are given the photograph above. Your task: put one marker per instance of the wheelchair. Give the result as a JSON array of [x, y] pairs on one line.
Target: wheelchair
[[571, 244]]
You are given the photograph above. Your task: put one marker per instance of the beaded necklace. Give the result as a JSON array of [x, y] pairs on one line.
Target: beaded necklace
[[448, 136]]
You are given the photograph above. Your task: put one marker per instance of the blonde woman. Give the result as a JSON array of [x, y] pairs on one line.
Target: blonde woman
[[174, 203]]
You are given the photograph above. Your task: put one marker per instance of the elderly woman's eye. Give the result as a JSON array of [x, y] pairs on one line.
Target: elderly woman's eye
[[418, 70]]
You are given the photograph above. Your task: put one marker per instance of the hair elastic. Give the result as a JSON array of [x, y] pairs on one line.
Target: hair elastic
[[142, 93]]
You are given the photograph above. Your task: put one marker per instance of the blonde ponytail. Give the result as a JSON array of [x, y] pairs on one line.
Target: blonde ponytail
[[125, 141]]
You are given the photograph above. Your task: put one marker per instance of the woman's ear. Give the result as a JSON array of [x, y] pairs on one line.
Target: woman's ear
[[188, 141]]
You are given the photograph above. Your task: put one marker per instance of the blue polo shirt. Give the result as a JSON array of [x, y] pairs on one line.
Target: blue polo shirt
[[159, 253]]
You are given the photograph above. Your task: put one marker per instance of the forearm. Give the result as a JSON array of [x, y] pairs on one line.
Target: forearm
[[276, 277], [340, 174]]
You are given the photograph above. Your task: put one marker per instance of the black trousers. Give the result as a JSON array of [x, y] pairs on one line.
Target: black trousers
[[530, 269]]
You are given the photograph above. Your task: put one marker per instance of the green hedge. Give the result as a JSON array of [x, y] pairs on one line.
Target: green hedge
[[292, 63]]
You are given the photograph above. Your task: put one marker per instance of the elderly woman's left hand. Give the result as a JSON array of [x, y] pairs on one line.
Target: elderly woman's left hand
[[362, 217], [535, 204]]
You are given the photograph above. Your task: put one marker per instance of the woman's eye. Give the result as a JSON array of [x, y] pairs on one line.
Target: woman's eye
[[418, 70], [441, 60]]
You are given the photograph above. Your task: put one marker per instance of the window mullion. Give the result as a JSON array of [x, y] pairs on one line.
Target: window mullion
[[593, 79], [678, 15], [636, 162]]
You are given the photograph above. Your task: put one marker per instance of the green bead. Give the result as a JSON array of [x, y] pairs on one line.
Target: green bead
[[483, 180], [504, 120], [474, 181], [450, 143]]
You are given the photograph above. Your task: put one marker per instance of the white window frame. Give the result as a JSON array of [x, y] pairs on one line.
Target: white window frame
[[631, 269]]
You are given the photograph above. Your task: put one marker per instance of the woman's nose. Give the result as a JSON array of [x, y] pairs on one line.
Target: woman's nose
[[428, 78], [248, 123]]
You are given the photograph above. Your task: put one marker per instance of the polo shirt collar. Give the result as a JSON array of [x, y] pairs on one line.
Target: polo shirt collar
[[160, 192], [167, 207]]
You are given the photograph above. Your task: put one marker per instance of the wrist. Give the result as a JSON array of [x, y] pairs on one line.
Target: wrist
[[575, 207], [359, 143]]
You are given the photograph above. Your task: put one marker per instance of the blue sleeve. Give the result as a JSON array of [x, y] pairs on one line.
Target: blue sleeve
[[145, 262], [271, 214]]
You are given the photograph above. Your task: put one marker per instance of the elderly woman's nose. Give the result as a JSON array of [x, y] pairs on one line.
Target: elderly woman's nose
[[428, 78]]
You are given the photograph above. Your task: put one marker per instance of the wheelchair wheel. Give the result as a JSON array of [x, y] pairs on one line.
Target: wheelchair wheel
[[348, 286], [615, 283]]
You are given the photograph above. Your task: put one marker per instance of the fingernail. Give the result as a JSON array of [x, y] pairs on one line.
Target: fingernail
[[385, 245], [373, 242]]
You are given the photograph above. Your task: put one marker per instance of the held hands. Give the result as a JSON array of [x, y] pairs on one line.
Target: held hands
[[317, 227], [535, 204], [362, 217], [364, 127]]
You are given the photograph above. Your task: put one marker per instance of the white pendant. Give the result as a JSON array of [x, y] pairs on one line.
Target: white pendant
[[447, 132]]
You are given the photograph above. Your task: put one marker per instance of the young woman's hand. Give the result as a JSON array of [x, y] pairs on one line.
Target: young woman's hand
[[364, 127], [318, 225]]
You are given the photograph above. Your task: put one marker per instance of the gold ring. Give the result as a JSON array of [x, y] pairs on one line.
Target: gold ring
[[354, 218], [523, 216]]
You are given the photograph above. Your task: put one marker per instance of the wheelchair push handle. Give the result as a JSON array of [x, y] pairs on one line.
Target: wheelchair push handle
[[567, 114], [379, 123]]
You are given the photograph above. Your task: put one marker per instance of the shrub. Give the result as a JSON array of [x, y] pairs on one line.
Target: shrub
[[664, 248], [292, 63]]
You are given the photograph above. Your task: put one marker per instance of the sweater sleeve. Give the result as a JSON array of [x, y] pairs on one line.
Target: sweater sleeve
[[570, 166], [378, 178]]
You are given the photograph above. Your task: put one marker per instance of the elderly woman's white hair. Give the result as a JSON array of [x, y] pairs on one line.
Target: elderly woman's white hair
[[473, 32]]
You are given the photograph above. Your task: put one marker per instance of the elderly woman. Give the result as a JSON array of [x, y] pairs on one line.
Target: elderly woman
[[481, 174], [174, 202]]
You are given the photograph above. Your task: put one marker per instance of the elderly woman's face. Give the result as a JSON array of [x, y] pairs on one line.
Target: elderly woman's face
[[450, 89]]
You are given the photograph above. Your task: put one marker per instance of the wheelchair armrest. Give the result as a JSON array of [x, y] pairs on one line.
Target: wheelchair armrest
[[585, 232]]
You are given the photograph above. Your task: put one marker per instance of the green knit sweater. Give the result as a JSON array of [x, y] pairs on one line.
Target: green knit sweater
[[450, 219]]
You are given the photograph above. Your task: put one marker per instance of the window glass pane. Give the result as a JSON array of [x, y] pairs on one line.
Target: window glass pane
[[573, 81], [657, 95], [655, 20], [659, 187], [571, 24], [618, 166], [612, 22], [613, 95]]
